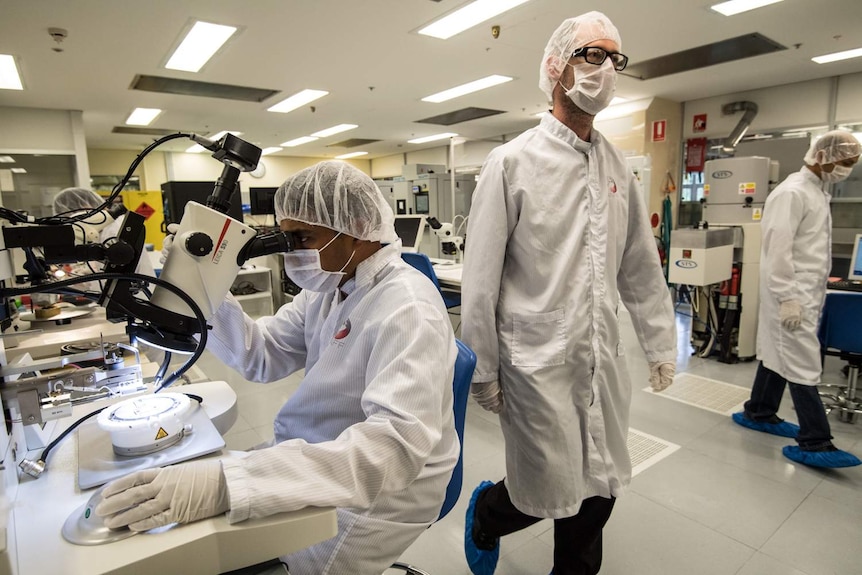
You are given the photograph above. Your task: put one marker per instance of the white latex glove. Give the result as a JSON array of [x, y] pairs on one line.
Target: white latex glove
[[168, 241], [661, 375], [489, 395], [790, 314], [155, 497]]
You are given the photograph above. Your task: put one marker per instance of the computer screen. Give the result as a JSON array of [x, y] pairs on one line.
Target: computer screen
[[261, 200], [175, 195], [410, 229], [855, 272]]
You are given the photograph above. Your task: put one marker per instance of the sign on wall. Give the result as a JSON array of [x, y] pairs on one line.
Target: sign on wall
[[659, 130], [699, 123]]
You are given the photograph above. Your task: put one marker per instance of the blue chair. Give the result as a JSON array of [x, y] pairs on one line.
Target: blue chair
[[464, 365], [841, 336], [423, 264]]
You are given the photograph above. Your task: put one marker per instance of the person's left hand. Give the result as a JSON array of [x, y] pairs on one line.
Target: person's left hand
[[661, 375], [155, 497]]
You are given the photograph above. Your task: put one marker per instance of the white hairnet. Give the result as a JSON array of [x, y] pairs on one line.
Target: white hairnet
[[337, 196], [833, 147], [74, 199], [572, 34]]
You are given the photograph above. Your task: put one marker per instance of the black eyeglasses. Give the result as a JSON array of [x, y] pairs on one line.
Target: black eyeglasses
[[597, 56]]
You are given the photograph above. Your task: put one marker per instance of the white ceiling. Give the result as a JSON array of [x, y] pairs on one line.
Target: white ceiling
[[367, 54]]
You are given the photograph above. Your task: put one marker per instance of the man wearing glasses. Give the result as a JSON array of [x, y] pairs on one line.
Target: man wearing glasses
[[559, 238]]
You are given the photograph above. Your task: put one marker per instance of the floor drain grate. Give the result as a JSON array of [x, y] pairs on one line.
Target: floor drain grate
[[705, 393], [647, 450]]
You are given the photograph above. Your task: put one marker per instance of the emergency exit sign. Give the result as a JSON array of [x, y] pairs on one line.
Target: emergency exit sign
[[659, 130]]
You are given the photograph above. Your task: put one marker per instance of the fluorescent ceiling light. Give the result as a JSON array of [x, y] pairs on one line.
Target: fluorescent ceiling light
[[7, 160], [270, 150], [297, 141], [467, 88], [197, 148], [199, 45], [19, 170], [433, 138], [467, 17], [297, 100], [737, 6], [350, 155], [334, 130], [142, 116], [9, 78], [845, 55]]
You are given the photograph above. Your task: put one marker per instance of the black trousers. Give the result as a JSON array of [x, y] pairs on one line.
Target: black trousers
[[577, 539]]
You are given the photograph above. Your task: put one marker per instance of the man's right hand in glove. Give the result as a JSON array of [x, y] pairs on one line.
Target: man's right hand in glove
[[168, 242], [790, 314], [489, 395]]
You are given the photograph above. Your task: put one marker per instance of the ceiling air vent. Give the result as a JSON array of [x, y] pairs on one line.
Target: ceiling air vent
[[458, 116], [195, 88], [352, 143], [707, 55]]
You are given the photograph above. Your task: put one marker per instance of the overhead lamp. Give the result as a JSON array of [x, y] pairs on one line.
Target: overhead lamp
[[733, 7], [433, 138], [19, 171], [142, 116], [334, 130], [199, 45], [350, 155], [197, 148], [835, 57], [467, 88], [467, 16], [299, 99], [270, 150], [297, 141], [9, 78], [7, 160]]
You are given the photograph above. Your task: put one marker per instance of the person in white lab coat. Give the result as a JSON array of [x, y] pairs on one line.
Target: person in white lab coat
[[558, 239], [99, 227], [370, 429], [795, 258]]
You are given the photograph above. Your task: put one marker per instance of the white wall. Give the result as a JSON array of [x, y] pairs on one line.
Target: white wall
[[799, 105], [40, 131]]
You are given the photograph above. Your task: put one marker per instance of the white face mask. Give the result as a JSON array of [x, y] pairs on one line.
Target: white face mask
[[838, 174], [304, 269], [594, 86]]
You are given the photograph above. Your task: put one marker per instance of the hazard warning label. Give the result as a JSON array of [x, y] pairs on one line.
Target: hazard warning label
[[145, 210], [161, 434]]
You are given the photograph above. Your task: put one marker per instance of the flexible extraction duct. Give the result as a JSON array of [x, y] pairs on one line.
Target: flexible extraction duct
[[750, 111]]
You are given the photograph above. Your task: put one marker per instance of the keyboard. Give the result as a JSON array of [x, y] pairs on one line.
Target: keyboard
[[845, 285]]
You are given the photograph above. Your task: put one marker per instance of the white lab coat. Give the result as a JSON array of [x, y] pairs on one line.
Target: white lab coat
[[795, 258], [370, 429], [557, 237]]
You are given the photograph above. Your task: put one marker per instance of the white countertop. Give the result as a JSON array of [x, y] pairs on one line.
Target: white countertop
[[41, 506]]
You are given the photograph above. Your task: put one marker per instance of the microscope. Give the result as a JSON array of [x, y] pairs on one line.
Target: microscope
[[209, 249], [450, 244]]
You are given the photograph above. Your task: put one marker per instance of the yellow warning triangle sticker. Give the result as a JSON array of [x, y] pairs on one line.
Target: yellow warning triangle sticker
[[162, 433]]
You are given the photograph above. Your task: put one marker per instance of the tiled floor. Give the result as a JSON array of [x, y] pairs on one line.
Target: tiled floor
[[725, 503]]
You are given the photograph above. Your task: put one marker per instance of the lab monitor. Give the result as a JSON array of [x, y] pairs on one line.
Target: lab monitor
[[175, 196], [855, 272], [262, 201], [410, 228]]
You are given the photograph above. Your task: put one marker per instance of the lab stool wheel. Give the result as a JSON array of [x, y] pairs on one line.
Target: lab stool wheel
[[845, 401]]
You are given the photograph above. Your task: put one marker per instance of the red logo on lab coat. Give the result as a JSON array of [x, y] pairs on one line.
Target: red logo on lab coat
[[343, 330], [612, 185]]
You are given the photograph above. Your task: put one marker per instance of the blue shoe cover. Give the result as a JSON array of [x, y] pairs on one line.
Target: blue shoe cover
[[829, 459], [481, 562], [784, 429]]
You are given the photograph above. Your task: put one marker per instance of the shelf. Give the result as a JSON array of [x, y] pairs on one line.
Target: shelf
[[258, 295]]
